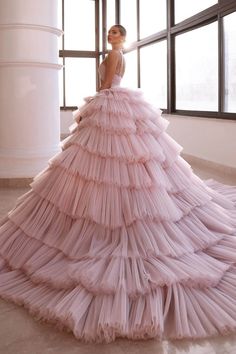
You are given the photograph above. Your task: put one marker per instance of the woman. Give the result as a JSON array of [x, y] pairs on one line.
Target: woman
[[118, 237]]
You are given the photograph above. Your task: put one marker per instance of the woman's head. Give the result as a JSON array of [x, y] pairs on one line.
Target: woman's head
[[116, 35], [121, 29]]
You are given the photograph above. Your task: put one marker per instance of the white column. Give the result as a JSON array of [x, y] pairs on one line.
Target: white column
[[29, 93]]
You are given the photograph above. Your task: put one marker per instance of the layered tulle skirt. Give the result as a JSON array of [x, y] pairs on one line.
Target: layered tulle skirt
[[118, 237]]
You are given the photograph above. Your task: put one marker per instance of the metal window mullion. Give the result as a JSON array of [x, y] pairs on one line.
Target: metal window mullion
[[104, 27], [171, 81], [117, 14], [138, 20], [221, 63], [97, 39], [78, 53], [226, 7], [138, 68]]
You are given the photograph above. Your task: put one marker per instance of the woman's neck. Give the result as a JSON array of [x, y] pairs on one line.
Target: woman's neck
[[117, 47]]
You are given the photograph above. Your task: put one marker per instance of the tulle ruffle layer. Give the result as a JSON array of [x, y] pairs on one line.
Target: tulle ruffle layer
[[167, 312], [135, 175], [118, 237], [111, 206], [126, 129], [102, 266], [77, 237], [121, 103]]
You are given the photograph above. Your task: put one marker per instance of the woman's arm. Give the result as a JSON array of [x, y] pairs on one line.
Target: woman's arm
[[111, 64]]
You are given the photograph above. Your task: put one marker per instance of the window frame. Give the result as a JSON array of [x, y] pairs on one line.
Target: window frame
[[79, 53], [207, 16]]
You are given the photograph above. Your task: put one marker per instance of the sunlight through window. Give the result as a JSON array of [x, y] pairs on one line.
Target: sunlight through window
[[197, 69], [80, 79], [79, 25], [129, 18], [130, 77], [230, 63], [152, 17], [154, 73], [187, 8]]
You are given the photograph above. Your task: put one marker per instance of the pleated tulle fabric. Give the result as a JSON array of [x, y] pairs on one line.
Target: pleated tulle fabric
[[118, 237]]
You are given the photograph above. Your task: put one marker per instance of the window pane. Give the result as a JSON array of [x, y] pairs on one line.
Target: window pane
[[129, 19], [188, 8], [152, 17], [230, 62], [79, 25], [80, 79], [197, 69], [130, 78], [153, 60], [111, 13], [100, 25]]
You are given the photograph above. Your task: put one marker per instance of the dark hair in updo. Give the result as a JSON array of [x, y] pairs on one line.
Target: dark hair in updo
[[121, 29]]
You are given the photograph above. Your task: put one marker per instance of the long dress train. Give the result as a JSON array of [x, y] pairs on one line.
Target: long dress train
[[118, 237]]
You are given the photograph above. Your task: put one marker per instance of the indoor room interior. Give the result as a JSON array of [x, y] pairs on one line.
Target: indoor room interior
[[180, 53]]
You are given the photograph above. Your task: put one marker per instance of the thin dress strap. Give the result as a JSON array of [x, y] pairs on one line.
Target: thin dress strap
[[121, 66]]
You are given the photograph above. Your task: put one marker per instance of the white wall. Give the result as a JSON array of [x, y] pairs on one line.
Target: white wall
[[210, 139]]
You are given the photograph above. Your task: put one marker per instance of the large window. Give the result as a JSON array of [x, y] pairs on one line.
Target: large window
[[111, 13], [181, 53], [128, 18], [187, 8], [80, 79], [78, 50], [79, 24], [152, 17], [197, 69], [154, 72], [100, 26], [130, 77], [230, 63]]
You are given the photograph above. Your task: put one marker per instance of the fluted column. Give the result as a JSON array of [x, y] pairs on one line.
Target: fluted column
[[29, 94]]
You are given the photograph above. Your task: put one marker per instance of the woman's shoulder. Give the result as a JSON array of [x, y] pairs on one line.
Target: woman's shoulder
[[114, 51], [112, 55]]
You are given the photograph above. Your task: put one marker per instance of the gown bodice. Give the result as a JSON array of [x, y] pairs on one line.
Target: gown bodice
[[119, 71]]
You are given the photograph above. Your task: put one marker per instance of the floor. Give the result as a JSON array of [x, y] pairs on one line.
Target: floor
[[20, 334]]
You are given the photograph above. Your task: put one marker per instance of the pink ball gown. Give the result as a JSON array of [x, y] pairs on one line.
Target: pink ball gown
[[118, 237]]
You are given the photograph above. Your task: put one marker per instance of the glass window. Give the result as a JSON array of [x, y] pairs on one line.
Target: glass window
[[197, 69], [79, 24], [80, 79], [111, 13], [153, 60], [188, 8], [130, 78], [100, 25], [129, 19], [152, 17], [230, 63]]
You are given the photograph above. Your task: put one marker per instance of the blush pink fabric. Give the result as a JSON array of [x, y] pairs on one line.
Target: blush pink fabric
[[118, 237]]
